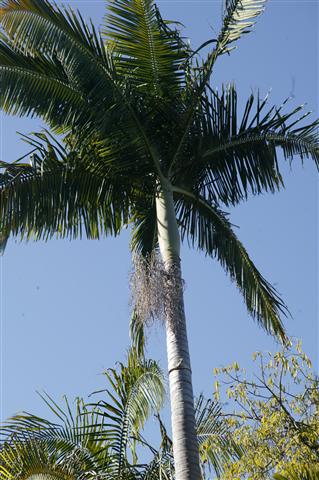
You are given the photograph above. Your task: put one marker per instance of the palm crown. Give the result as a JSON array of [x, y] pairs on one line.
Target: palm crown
[[136, 110]]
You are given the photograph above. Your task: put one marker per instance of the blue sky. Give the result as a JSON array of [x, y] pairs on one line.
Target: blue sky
[[65, 305]]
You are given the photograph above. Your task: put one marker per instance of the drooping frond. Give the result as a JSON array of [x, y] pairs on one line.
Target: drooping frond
[[149, 52], [144, 232], [72, 24], [30, 86], [232, 155], [3, 242], [204, 226], [55, 101], [64, 192], [137, 334], [40, 30], [30, 23]]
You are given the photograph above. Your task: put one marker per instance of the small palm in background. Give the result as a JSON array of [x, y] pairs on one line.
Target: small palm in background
[[105, 439]]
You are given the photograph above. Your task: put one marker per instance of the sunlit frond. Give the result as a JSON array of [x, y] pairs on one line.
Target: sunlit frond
[[239, 19], [149, 53]]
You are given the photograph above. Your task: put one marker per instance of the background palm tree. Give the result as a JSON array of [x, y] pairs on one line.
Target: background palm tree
[[105, 439], [96, 441], [146, 142]]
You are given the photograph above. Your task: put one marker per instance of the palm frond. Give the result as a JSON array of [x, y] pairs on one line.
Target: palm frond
[[65, 450], [137, 334], [239, 19], [25, 21], [216, 446], [144, 232], [3, 242], [64, 192], [149, 52], [134, 392], [39, 29], [33, 93], [203, 225], [32, 459], [233, 155]]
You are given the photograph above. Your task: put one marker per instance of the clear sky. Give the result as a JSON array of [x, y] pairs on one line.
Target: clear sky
[[65, 308]]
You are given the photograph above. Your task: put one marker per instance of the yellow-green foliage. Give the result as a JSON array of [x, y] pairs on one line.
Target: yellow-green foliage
[[275, 416]]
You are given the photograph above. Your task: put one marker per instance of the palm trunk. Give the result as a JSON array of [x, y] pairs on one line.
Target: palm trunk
[[185, 446]]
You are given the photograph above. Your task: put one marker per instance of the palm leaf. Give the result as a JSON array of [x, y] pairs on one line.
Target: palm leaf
[[39, 29], [63, 192], [216, 446], [25, 21], [149, 53], [65, 450], [137, 334], [134, 392], [239, 19], [233, 155], [207, 228], [31, 459], [144, 232], [55, 101]]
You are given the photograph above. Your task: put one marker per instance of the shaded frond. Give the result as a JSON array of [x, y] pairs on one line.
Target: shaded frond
[[25, 20], [33, 93], [207, 228], [32, 458], [144, 232], [137, 334]]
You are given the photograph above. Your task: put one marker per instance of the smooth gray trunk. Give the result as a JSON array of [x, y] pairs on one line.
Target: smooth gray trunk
[[185, 446]]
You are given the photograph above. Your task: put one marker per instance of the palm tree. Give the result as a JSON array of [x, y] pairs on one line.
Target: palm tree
[[148, 143], [104, 439], [94, 441]]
